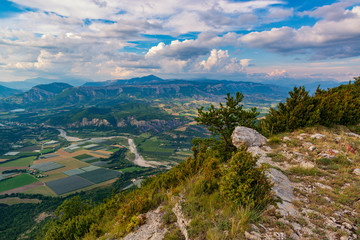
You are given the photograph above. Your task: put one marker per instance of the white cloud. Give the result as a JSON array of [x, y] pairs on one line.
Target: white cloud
[[184, 50], [327, 38], [278, 72], [220, 61]]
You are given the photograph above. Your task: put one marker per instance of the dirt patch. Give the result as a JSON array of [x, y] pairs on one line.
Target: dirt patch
[[42, 216]]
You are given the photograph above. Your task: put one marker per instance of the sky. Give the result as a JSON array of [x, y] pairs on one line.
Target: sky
[[219, 39]]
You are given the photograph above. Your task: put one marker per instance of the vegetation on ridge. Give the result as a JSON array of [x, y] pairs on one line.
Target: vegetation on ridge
[[339, 105]]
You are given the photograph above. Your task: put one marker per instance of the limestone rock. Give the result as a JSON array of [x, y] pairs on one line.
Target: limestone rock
[[252, 236], [244, 135], [317, 136], [182, 222], [357, 171], [312, 148], [307, 165], [151, 230], [282, 189], [351, 134]]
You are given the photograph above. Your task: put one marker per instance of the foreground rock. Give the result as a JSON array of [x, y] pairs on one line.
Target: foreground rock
[[248, 136], [283, 190]]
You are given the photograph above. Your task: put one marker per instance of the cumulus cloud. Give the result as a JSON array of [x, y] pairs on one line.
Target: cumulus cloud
[[326, 39], [220, 61], [179, 50]]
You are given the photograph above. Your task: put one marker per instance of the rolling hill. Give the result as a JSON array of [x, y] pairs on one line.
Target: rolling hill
[[6, 92]]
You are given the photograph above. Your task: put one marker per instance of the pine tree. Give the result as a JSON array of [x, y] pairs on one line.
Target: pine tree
[[221, 122]]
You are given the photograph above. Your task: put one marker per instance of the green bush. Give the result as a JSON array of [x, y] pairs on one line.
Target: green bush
[[245, 183], [339, 105]]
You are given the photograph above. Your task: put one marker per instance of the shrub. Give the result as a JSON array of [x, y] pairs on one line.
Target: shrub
[[244, 183], [275, 140]]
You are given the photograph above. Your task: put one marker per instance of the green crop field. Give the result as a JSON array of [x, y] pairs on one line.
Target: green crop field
[[47, 150], [83, 156], [21, 162], [15, 182]]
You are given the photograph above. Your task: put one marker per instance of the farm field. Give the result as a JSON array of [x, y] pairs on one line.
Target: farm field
[[21, 162], [57, 168], [43, 190], [15, 182], [68, 184]]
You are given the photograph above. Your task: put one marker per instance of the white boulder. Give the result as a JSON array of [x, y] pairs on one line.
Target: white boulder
[[248, 136]]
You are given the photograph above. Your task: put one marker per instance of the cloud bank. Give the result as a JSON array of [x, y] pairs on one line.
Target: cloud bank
[[105, 39]]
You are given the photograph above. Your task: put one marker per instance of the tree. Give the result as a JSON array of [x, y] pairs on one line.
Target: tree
[[222, 121], [299, 110]]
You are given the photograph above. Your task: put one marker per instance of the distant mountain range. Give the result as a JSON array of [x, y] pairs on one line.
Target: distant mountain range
[[147, 88], [310, 84], [32, 82], [138, 80]]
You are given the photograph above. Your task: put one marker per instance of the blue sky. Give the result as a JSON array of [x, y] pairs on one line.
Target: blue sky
[[258, 40]]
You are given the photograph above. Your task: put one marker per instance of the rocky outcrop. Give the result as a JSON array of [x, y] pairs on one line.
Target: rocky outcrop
[[95, 122], [152, 229], [181, 222], [248, 136], [282, 189], [154, 124]]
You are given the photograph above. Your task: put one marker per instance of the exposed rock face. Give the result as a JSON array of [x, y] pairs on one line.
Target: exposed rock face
[[351, 134], [182, 222], [144, 126], [248, 136], [317, 136], [282, 189], [154, 124], [96, 122], [357, 171], [152, 229]]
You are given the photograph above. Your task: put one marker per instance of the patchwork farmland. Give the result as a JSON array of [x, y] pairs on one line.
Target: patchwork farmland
[[55, 170]]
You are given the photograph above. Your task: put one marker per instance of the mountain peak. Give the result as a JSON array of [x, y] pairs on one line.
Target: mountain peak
[[55, 87]]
